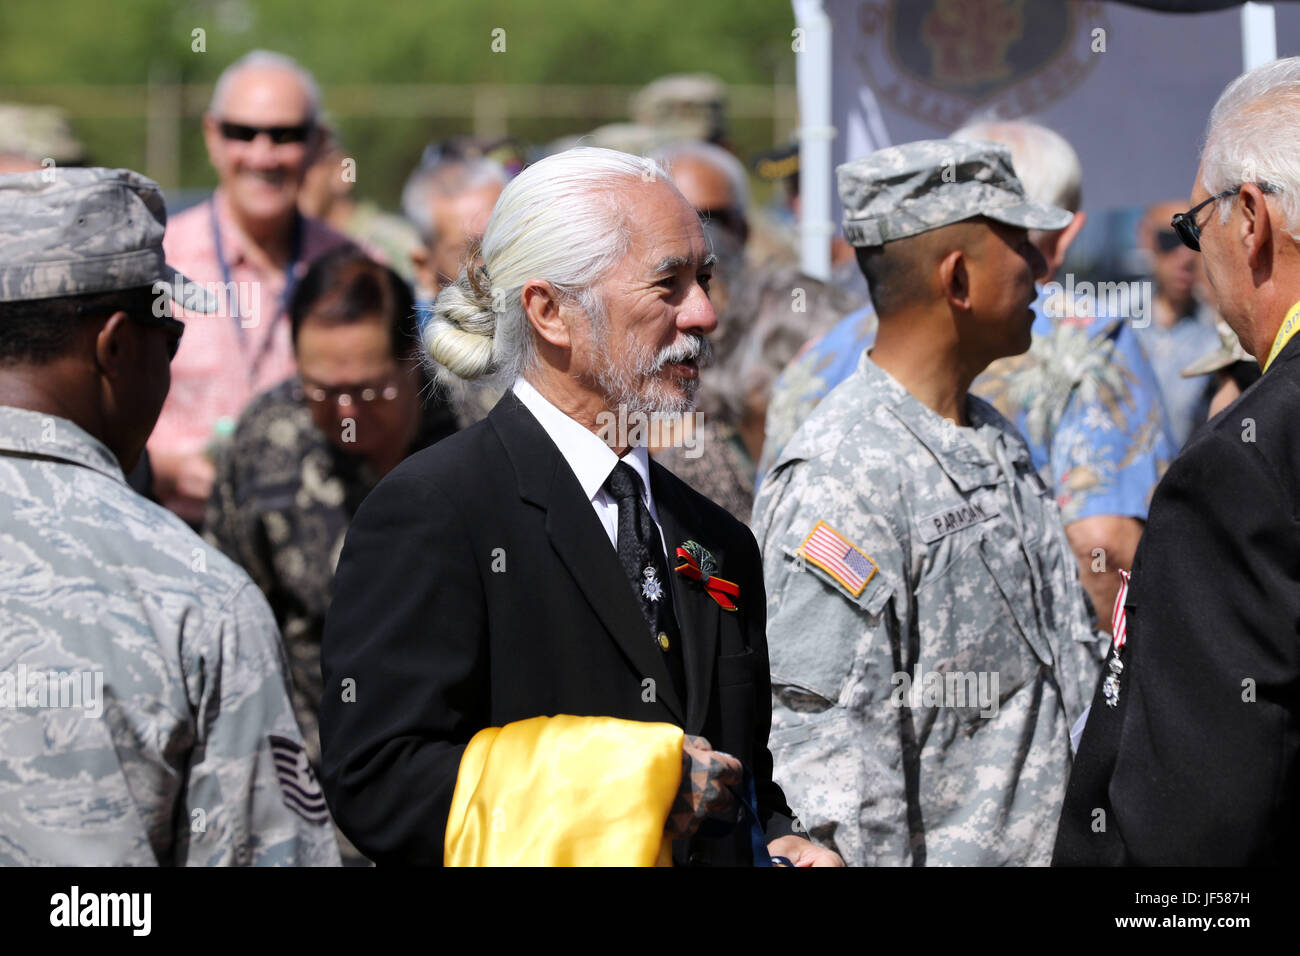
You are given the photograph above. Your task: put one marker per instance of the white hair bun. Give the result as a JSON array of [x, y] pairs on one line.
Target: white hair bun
[[460, 334]]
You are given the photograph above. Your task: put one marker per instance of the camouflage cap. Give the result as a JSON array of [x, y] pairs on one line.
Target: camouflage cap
[[902, 191], [1228, 352], [79, 231]]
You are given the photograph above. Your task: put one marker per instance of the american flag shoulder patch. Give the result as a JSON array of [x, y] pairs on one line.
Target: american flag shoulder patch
[[834, 554], [298, 787]]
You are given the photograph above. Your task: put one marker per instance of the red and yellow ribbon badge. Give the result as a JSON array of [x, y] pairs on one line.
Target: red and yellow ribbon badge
[[698, 565]]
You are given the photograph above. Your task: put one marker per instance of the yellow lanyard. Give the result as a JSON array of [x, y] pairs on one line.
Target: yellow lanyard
[[1290, 326]]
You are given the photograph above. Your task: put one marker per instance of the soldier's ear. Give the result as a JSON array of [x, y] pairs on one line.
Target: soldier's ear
[[954, 280]]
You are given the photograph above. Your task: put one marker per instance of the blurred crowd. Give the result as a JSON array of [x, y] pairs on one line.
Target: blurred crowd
[[307, 383]]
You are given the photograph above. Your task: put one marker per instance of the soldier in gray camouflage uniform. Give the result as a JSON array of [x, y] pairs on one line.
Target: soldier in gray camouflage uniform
[[930, 643], [144, 710]]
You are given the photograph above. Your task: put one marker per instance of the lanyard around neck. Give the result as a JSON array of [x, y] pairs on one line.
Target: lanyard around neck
[[1290, 326], [232, 289]]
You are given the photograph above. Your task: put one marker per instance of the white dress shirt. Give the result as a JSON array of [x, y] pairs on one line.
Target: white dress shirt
[[590, 458]]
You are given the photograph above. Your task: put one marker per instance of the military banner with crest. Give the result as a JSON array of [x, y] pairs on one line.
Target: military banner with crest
[[1130, 88]]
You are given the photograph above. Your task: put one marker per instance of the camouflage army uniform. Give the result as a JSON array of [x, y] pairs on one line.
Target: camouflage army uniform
[[967, 571], [195, 758]]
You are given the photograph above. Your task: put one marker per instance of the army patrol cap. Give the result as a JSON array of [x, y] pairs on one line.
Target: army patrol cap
[[79, 231], [903, 191]]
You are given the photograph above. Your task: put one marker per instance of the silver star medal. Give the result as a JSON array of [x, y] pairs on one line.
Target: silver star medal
[[1110, 686], [651, 589]]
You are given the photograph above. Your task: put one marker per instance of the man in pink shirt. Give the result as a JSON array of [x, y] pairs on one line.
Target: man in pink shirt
[[249, 245]]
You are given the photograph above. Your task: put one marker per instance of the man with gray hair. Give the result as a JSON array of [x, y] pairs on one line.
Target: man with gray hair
[[448, 200], [250, 244], [536, 547], [144, 709], [1191, 753], [930, 643]]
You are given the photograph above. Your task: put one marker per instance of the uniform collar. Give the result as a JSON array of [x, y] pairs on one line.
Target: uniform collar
[[964, 461], [41, 435]]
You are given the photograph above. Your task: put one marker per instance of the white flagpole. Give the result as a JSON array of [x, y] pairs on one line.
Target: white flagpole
[[1258, 35], [813, 81]]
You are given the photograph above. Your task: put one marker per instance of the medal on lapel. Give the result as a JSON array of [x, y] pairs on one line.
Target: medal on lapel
[[698, 565], [651, 588], [1119, 628]]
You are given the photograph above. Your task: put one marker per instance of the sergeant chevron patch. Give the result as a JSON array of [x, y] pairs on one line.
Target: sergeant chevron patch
[[298, 787]]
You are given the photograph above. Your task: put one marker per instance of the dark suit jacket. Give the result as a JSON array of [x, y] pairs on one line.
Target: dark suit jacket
[[1184, 770], [442, 644]]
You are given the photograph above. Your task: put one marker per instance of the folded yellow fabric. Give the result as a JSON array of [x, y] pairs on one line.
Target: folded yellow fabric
[[565, 791]]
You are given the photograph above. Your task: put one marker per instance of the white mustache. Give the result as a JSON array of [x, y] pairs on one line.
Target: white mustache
[[695, 348]]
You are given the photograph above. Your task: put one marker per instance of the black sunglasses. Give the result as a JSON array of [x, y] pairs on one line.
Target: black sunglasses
[[1184, 223], [174, 328], [1167, 240], [279, 134], [143, 314]]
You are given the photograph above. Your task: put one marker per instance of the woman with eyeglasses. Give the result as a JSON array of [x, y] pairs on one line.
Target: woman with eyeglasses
[[306, 453]]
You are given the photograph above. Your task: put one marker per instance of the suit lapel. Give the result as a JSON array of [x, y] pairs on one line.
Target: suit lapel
[[697, 613], [545, 479]]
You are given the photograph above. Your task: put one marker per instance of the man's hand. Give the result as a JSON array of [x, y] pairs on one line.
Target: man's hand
[[803, 852], [706, 776]]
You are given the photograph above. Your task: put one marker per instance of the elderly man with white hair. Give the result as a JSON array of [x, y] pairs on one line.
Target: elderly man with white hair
[[250, 242], [1191, 753], [573, 630]]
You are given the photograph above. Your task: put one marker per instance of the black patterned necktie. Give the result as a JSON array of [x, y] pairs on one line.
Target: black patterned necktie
[[641, 555]]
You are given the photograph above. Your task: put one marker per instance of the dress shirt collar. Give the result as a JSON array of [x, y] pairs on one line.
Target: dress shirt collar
[[588, 456]]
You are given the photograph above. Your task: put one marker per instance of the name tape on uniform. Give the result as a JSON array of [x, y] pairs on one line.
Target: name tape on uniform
[[942, 523], [832, 552]]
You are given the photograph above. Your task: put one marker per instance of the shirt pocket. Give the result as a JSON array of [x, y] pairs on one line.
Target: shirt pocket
[[973, 618], [736, 669]]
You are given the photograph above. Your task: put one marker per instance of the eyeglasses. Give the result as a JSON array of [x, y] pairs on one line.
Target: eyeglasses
[[279, 134], [144, 315], [346, 395], [174, 328], [1184, 223], [729, 219], [1167, 240]]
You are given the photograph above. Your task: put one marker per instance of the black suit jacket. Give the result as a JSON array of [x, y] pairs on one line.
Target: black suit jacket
[[477, 587], [1188, 768]]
